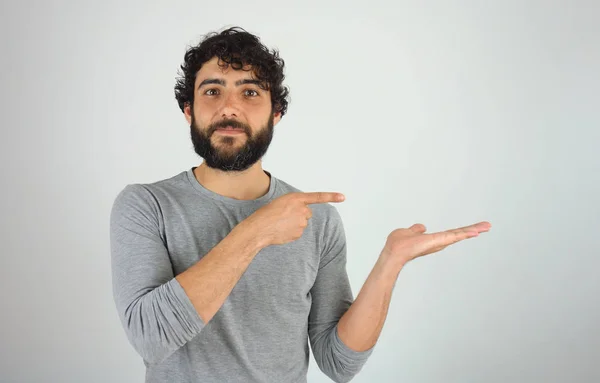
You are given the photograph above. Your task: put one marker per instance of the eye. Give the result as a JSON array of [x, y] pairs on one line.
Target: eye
[[211, 92], [250, 93]]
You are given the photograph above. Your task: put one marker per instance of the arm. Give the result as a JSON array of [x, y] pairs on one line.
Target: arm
[[361, 325], [331, 298], [210, 281], [160, 312]]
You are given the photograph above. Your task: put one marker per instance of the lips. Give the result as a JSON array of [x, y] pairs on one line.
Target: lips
[[229, 128], [229, 131]]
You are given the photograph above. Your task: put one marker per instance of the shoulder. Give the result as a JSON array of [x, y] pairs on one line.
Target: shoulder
[[134, 205], [144, 199], [148, 194]]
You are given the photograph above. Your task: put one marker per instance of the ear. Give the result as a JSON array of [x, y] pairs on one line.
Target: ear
[[276, 118], [188, 113]]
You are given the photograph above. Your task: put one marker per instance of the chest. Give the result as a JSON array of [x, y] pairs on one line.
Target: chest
[[279, 270]]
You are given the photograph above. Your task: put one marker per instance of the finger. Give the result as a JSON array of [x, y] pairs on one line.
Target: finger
[[483, 226], [478, 227], [418, 228], [322, 197], [450, 237]]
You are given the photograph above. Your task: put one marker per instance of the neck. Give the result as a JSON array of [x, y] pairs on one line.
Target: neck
[[249, 184]]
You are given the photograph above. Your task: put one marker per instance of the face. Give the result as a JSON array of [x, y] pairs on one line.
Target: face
[[231, 120]]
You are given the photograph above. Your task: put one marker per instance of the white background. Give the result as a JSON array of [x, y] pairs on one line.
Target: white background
[[440, 112]]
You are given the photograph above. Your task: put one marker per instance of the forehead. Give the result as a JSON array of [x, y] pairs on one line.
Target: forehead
[[212, 69]]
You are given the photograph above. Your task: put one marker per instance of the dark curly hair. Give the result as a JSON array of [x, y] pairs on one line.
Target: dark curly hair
[[238, 48]]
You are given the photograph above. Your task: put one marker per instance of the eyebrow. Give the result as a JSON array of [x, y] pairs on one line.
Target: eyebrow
[[222, 82]]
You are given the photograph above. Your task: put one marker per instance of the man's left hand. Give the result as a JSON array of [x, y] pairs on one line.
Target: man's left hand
[[404, 245]]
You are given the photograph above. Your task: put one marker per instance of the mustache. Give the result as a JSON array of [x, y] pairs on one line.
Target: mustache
[[229, 122]]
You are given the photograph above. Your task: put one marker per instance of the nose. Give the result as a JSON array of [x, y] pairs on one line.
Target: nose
[[229, 108]]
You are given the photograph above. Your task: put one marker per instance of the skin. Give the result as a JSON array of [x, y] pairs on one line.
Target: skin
[[248, 104], [210, 280]]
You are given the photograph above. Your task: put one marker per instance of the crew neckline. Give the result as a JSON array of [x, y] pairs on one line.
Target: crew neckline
[[232, 201]]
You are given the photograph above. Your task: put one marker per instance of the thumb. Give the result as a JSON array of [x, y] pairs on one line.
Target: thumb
[[418, 228]]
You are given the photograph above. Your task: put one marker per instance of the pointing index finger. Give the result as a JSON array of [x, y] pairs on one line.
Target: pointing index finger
[[322, 197]]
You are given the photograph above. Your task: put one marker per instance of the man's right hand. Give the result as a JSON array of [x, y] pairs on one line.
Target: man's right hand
[[284, 219]]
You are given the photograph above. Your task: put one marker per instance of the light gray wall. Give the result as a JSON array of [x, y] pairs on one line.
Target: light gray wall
[[445, 113]]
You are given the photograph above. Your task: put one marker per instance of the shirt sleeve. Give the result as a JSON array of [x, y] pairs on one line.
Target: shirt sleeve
[[331, 298], [157, 315]]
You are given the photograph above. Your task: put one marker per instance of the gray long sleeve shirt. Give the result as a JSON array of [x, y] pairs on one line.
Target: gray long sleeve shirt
[[290, 295]]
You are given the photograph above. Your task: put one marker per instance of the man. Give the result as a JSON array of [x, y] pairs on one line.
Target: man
[[225, 273]]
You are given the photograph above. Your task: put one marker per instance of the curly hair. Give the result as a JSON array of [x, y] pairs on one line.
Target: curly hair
[[238, 48]]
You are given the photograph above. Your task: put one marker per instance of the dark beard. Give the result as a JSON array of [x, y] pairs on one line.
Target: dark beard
[[224, 158]]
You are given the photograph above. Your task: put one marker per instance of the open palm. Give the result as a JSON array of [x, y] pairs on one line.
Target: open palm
[[408, 244]]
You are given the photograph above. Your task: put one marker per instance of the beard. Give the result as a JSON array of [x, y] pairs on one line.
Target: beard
[[226, 155]]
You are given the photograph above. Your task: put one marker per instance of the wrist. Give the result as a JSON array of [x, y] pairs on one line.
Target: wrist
[[252, 235], [390, 262]]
